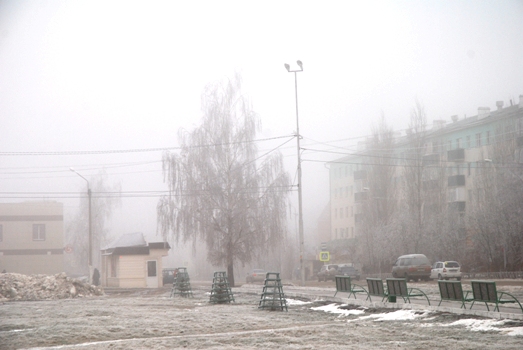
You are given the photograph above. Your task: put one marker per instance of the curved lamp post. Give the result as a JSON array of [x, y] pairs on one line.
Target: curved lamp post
[[90, 251], [302, 270]]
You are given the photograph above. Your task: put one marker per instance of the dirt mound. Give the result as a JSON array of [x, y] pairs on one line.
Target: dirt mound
[[14, 286]]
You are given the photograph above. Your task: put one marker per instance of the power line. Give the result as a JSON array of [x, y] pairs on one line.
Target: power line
[[136, 150]]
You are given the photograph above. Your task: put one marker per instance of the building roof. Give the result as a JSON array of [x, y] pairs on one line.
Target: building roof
[[133, 244], [134, 239]]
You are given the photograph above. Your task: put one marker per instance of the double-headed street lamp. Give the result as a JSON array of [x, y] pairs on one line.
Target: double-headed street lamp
[[302, 270], [90, 252]]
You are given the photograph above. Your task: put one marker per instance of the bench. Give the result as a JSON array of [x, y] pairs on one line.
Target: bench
[[343, 284], [397, 287], [376, 288], [485, 292], [453, 291]]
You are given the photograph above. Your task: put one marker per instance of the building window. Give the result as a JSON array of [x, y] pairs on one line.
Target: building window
[[335, 213], [347, 191], [478, 140], [1, 233], [488, 137], [352, 232], [449, 146], [38, 232], [468, 141], [468, 170], [458, 143]]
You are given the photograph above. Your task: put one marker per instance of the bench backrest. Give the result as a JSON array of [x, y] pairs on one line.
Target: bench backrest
[[450, 290], [342, 283], [484, 291], [397, 287], [375, 286]]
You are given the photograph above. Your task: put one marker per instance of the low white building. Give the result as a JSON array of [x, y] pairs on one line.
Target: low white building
[[131, 262]]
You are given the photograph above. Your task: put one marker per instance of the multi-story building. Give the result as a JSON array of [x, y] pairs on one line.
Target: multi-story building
[[451, 155], [32, 237]]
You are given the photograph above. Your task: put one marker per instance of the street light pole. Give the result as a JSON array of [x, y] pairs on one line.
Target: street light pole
[[90, 250], [302, 270]]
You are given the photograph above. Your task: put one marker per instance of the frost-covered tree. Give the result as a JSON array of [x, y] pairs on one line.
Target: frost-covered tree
[[219, 191], [413, 177], [378, 208], [104, 198]]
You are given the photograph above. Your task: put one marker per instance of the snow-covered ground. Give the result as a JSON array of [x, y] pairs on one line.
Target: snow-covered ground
[[150, 319]]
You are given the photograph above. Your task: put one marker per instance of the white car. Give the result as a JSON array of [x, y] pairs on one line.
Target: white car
[[445, 270]]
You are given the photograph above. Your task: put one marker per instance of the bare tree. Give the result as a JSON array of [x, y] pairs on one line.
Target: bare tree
[[217, 190], [378, 208], [413, 178], [496, 216]]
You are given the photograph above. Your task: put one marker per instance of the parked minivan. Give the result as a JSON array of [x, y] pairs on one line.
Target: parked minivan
[[412, 266]]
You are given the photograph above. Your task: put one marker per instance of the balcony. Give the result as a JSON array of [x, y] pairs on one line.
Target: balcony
[[360, 196], [431, 159], [360, 174], [456, 180], [457, 206], [430, 185], [456, 155]]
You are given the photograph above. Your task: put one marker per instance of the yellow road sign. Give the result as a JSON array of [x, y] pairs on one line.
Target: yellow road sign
[[325, 256]]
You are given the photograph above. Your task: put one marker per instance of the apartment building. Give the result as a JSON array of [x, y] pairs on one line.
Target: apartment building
[[451, 155], [32, 237]]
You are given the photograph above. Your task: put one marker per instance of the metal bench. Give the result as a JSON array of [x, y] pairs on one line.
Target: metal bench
[[376, 288], [485, 292], [343, 284], [453, 291], [397, 287]]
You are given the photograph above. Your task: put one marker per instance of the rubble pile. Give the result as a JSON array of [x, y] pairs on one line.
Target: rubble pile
[[14, 286]]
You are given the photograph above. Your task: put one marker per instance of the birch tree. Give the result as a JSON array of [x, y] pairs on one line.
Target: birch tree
[[413, 176], [378, 208], [219, 191]]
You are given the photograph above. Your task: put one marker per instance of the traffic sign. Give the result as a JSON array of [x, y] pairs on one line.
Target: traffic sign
[[325, 256]]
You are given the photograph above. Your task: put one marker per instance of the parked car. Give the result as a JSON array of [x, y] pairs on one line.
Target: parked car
[[445, 270], [327, 272], [169, 275], [412, 267], [256, 275], [346, 270]]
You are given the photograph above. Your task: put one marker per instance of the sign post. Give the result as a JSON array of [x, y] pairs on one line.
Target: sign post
[[325, 256]]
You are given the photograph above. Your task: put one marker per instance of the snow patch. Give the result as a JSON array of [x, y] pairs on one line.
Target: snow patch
[[297, 302], [398, 315], [335, 309]]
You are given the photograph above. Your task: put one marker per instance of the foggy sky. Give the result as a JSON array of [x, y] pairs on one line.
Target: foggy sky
[[99, 76]]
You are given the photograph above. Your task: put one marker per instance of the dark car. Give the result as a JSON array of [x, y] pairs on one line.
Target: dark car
[[256, 275], [412, 267], [351, 271], [169, 275]]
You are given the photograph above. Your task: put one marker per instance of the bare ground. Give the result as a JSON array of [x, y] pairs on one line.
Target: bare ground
[[150, 319]]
